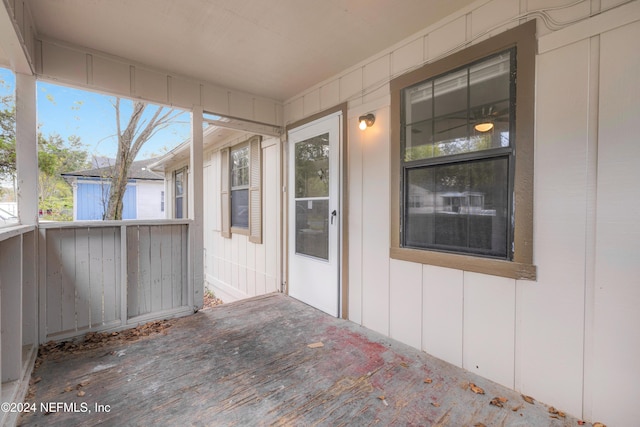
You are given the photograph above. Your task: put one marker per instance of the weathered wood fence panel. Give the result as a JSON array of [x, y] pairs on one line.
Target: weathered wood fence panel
[[156, 268], [87, 284]]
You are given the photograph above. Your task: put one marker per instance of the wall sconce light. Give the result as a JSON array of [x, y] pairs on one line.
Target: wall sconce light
[[366, 121], [483, 127]]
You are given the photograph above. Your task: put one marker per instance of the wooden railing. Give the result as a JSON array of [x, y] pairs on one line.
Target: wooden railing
[[109, 275], [18, 309]]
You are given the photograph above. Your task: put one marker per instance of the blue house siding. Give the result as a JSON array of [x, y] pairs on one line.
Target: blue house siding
[[92, 196]]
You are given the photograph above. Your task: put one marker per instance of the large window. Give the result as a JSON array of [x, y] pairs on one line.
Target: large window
[[456, 133], [241, 189], [463, 150]]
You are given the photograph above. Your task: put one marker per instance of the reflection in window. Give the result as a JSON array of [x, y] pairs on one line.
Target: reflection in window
[[312, 196], [240, 187], [180, 199]]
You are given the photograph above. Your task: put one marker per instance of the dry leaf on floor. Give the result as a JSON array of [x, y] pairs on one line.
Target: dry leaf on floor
[[528, 399], [554, 411], [436, 404], [476, 389], [498, 401], [316, 345], [81, 393], [479, 425], [599, 425], [428, 380], [68, 389]]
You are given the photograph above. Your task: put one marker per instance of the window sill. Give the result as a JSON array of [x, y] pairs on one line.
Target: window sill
[[239, 230], [494, 267]]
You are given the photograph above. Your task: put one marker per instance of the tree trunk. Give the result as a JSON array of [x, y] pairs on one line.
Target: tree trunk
[[130, 140]]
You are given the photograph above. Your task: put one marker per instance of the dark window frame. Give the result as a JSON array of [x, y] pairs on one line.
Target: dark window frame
[[519, 264], [462, 158], [236, 190]]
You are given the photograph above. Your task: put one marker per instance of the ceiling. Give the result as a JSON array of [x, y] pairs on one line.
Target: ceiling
[[271, 48]]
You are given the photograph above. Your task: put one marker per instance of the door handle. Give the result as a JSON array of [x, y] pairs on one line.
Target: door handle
[[333, 215]]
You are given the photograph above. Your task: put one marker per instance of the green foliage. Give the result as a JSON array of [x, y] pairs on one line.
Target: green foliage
[[55, 156], [7, 137]]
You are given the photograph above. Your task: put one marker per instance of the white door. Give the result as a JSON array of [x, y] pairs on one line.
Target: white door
[[314, 213]]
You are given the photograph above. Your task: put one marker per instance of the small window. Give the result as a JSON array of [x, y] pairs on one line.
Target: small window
[[180, 186], [461, 196], [240, 187]]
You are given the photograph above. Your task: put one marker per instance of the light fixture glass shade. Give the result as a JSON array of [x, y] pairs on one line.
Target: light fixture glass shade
[[366, 121], [483, 127]]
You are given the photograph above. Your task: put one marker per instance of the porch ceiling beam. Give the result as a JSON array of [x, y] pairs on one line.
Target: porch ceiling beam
[[13, 52], [246, 126]]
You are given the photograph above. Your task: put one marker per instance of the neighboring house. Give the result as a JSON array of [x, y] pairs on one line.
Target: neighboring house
[[143, 197]]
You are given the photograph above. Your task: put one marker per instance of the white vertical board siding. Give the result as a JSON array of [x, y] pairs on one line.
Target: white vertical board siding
[[552, 310], [375, 224], [442, 313], [355, 179], [616, 336], [271, 219], [239, 268], [489, 327], [405, 302]]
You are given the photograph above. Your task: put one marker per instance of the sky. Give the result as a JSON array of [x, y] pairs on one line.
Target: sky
[[91, 116]]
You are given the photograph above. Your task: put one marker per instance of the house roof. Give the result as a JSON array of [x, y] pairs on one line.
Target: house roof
[[139, 170], [269, 48], [213, 136]]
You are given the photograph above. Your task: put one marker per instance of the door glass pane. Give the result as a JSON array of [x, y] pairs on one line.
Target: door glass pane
[[312, 167], [312, 228], [460, 207]]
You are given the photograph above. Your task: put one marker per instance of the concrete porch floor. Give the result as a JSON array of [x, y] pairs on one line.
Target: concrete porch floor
[[249, 363]]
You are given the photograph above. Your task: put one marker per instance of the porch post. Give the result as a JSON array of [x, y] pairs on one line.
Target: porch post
[[196, 207], [26, 149]]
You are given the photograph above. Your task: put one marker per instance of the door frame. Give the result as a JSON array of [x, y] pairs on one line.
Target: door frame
[[343, 202]]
